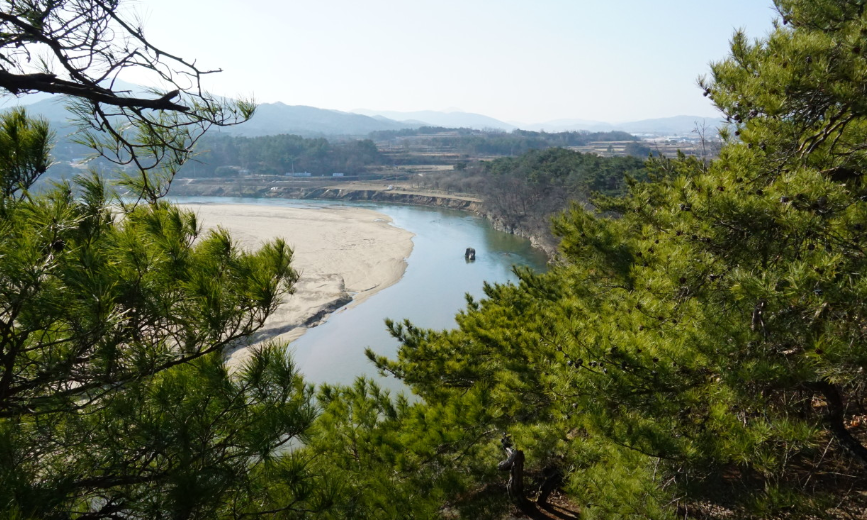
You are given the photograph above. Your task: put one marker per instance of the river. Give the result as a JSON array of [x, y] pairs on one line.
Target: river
[[430, 293]]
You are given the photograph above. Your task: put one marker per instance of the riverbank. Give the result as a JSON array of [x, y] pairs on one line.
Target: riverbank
[[343, 255], [351, 191], [356, 192]]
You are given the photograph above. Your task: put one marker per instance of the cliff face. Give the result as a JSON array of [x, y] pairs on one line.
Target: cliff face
[[540, 240]]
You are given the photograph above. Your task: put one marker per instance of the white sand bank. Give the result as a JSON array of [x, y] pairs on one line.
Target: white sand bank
[[342, 254]]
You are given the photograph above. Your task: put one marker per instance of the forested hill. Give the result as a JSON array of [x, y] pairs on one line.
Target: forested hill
[[521, 194], [577, 174]]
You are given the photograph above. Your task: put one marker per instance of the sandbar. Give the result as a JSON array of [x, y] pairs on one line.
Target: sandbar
[[343, 256]]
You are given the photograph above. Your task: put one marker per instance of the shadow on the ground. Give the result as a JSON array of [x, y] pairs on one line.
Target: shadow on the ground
[[553, 509]]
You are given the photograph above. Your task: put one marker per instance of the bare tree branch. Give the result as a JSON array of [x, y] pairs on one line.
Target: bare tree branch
[[81, 49]]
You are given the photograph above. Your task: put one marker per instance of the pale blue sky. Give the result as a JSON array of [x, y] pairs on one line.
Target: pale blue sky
[[516, 60]]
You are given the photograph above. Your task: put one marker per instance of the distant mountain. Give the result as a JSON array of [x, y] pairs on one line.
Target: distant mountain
[[444, 119], [559, 126], [670, 125], [278, 118], [9, 100], [677, 125], [269, 119], [565, 125]]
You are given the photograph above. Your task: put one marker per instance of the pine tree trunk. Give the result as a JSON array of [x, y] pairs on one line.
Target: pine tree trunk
[[515, 466], [553, 477], [835, 420]]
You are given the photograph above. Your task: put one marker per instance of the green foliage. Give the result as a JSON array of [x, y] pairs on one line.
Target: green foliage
[[394, 459], [114, 396], [23, 152], [701, 351]]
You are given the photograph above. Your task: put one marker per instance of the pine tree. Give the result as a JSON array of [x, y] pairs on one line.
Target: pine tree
[[114, 397], [391, 458], [115, 401]]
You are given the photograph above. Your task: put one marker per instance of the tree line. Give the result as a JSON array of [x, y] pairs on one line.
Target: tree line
[[223, 155]]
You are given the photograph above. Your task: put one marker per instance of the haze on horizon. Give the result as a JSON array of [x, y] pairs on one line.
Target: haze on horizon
[[514, 60]]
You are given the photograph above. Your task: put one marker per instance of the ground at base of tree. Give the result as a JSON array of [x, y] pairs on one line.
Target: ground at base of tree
[[558, 507]]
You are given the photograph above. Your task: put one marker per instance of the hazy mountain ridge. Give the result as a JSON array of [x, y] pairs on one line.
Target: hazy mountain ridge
[[680, 125], [666, 125], [444, 119], [280, 118]]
